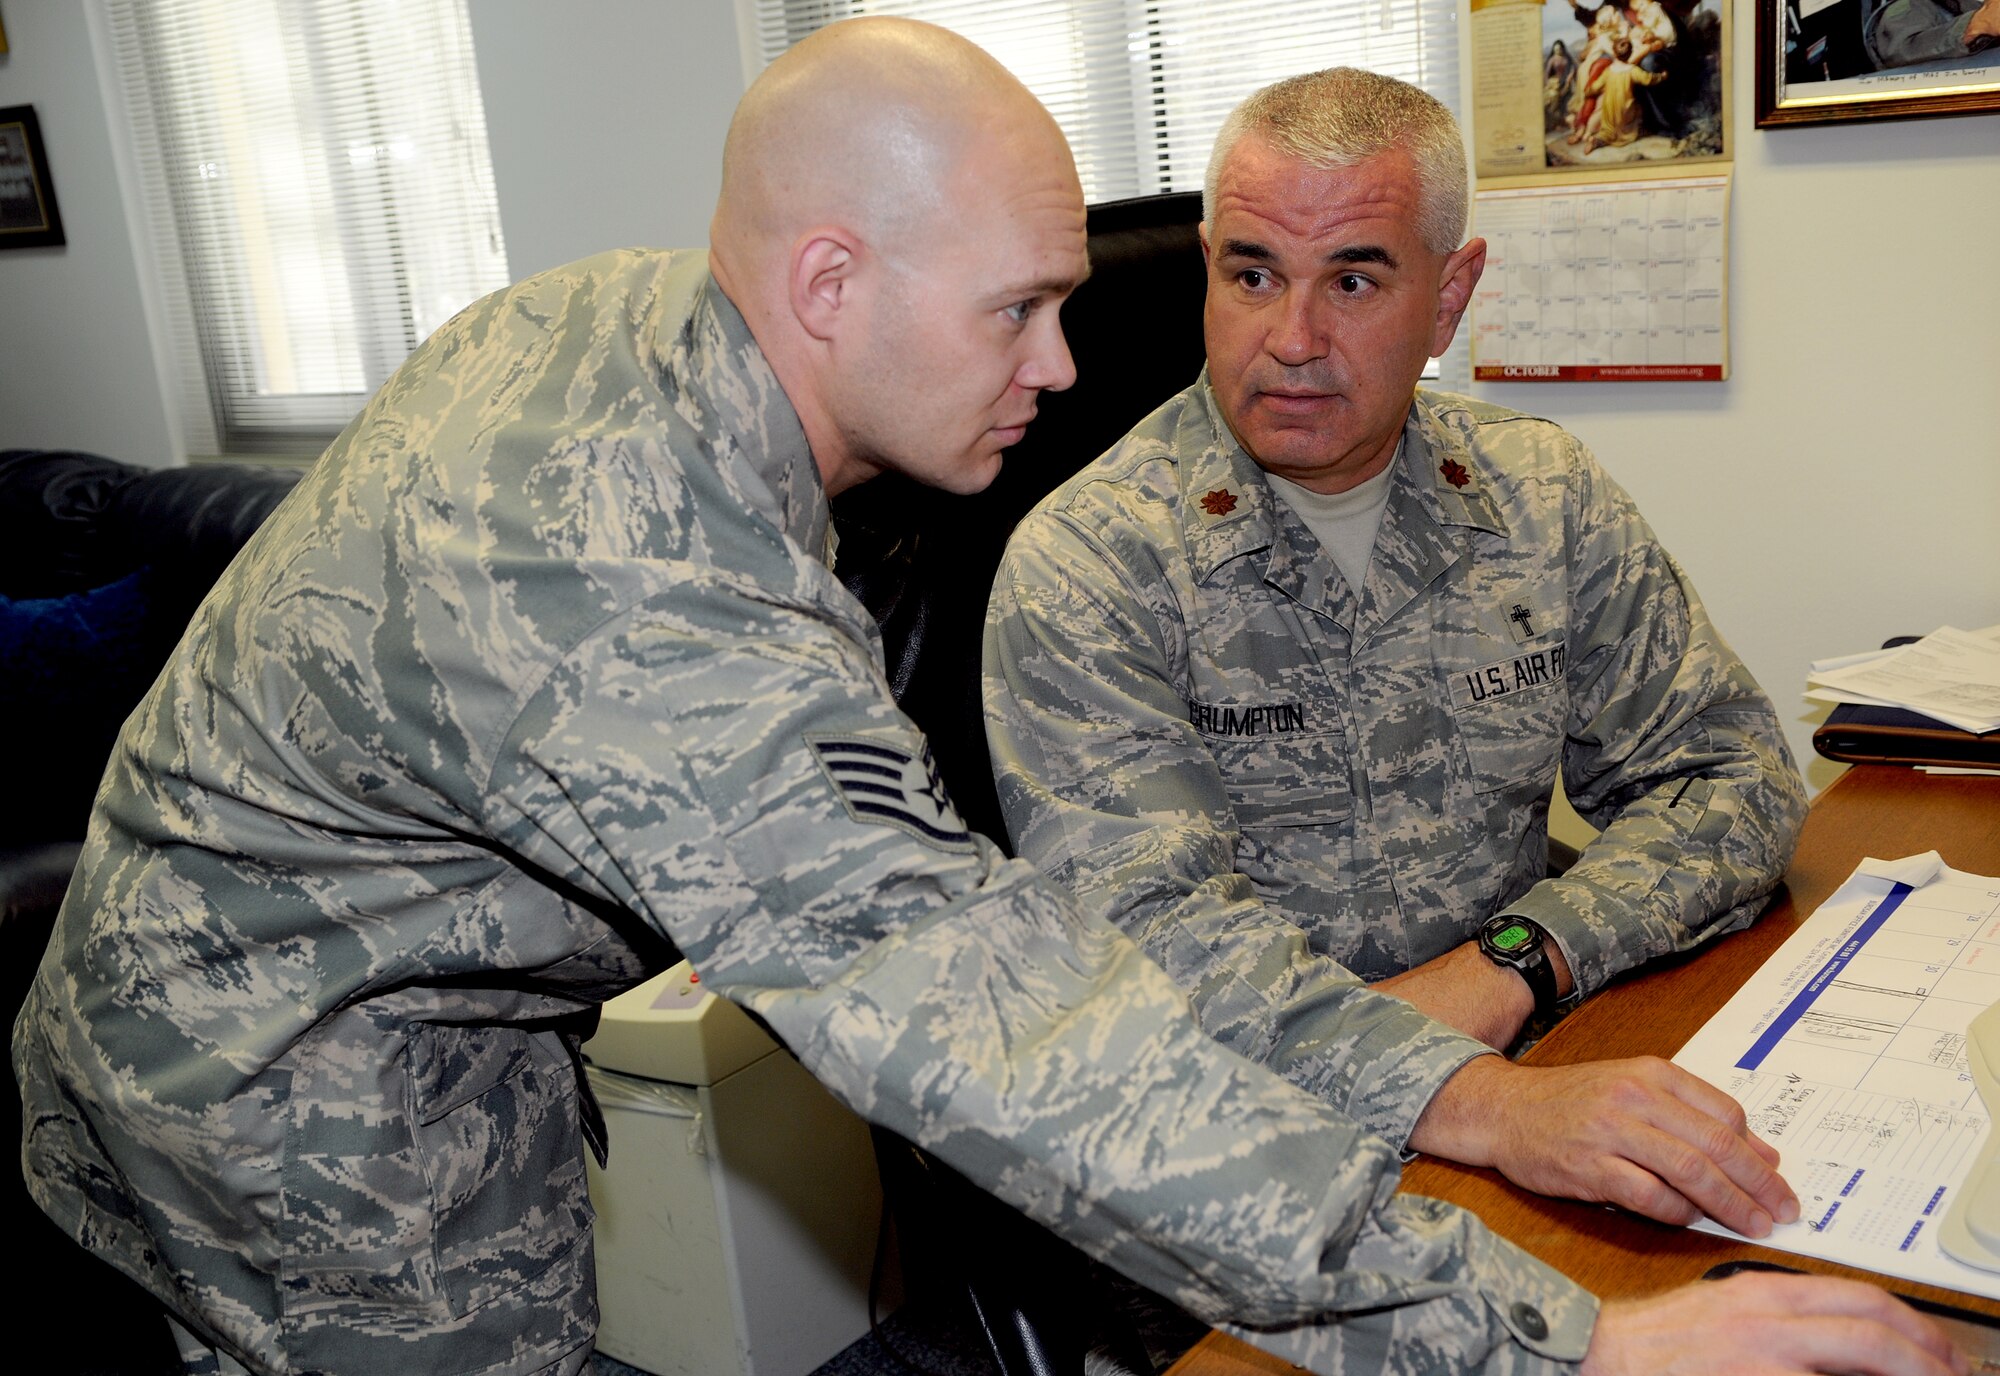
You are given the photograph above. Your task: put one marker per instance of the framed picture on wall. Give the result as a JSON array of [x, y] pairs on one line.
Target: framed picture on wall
[[28, 214], [1824, 61]]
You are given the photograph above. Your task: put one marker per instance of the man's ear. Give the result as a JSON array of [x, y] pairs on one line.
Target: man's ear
[[1201, 232], [825, 262], [1456, 282]]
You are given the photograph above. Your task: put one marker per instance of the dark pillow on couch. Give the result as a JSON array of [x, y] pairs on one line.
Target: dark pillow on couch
[[75, 668]]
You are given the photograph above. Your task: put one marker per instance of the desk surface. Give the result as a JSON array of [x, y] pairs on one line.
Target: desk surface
[[1870, 810]]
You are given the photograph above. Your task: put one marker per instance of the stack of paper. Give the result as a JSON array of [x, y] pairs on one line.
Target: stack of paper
[[1950, 674]]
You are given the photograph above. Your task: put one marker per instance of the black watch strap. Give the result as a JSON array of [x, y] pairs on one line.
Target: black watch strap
[[1541, 977], [1521, 944]]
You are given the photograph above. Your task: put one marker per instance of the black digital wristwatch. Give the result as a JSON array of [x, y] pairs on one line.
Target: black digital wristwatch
[[1522, 945]]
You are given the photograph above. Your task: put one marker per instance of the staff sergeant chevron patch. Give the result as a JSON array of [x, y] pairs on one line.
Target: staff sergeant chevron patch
[[881, 782]]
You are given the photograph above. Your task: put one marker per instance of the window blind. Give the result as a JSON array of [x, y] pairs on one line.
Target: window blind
[[318, 190], [1140, 87]]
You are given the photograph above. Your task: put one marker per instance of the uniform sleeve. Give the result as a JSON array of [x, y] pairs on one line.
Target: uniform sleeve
[[1108, 790], [1672, 749], [1909, 31], [732, 770]]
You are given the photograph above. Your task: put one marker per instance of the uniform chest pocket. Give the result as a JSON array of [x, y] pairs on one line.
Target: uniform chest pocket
[[1510, 716], [1285, 779], [496, 1129]]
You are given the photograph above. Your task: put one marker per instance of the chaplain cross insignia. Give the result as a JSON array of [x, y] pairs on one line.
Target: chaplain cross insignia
[[1219, 503], [1520, 615], [1454, 473]]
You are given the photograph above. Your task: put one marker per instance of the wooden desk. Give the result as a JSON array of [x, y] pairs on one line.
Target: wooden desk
[[1874, 810]]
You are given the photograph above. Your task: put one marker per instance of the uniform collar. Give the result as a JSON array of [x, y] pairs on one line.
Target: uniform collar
[[1439, 493], [1230, 511], [760, 425], [1438, 473], [1443, 472]]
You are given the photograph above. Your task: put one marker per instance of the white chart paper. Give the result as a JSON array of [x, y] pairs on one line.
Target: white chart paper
[[1847, 1052]]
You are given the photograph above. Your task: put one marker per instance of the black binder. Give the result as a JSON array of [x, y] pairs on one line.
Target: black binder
[[1860, 734]]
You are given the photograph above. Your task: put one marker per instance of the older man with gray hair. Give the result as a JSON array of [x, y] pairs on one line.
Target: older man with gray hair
[[1282, 682]]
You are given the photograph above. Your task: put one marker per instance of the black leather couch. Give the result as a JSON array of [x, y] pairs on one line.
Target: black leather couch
[[101, 565]]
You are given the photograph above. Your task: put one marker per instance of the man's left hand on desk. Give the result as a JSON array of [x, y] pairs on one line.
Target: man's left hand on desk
[[1641, 1134]]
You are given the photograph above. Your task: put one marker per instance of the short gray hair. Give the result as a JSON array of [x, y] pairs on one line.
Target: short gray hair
[[1343, 116]]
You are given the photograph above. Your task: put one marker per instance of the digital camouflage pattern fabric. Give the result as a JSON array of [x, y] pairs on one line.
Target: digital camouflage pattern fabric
[[1283, 786], [541, 668]]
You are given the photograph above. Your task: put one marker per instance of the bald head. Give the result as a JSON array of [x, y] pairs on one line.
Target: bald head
[[900, 222], [866, 124]]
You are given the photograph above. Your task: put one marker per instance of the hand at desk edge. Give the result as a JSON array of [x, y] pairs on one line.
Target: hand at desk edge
[[1642, 1134], [1769, 1324]]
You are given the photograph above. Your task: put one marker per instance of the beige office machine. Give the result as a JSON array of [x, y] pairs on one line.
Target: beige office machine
[[737, 1220]]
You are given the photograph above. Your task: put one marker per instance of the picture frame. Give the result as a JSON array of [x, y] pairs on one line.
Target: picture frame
[[29, 217], [1832, 61]]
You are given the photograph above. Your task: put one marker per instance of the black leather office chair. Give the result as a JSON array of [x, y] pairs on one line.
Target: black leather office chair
[[923, 562]]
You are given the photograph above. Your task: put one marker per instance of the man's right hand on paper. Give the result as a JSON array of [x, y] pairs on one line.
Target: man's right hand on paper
[[1769, 1325], [1642, 1134]]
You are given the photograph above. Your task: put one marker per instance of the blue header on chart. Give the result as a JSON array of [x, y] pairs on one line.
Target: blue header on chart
[[1803, 1000]]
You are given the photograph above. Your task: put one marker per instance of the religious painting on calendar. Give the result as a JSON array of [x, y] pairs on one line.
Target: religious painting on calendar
[[1632, 81]]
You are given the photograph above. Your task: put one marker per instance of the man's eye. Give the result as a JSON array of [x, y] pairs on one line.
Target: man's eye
[[1256, 279], [1019, 312], [1351, 284]]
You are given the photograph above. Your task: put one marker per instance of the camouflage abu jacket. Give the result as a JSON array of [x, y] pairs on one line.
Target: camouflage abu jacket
[[541, 663], [1281, 786]]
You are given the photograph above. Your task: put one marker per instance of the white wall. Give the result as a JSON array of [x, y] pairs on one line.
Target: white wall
[[606, 119], [77, 369], [1842, 486]]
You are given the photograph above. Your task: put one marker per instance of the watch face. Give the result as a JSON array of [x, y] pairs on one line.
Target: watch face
[[1512, 938]]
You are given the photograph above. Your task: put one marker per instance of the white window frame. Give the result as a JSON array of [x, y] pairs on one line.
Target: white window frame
[[201, 364]]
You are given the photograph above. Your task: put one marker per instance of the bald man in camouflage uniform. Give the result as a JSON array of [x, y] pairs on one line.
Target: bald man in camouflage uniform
[[542, 673], [1304, 786]]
